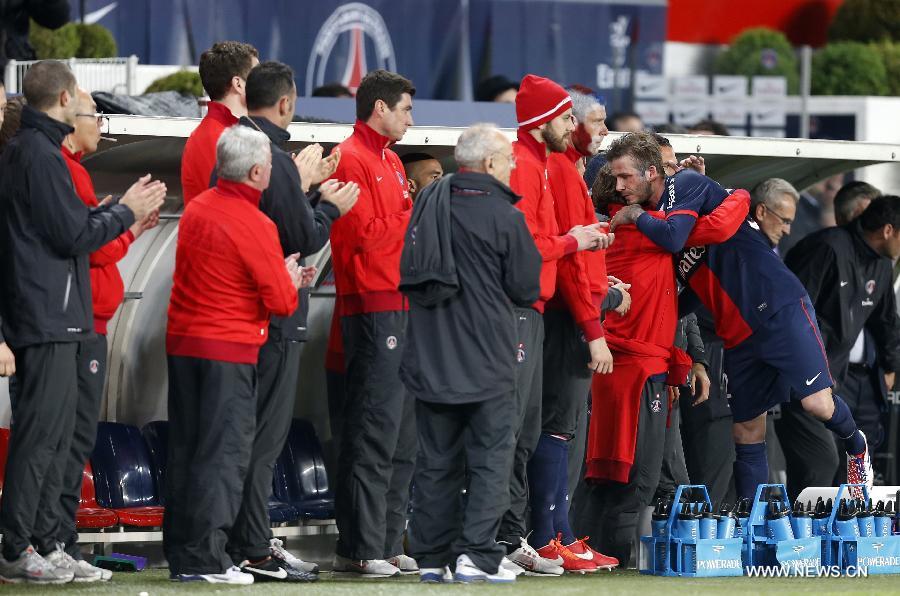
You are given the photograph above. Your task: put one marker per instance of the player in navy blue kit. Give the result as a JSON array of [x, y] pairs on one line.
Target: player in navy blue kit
[[774, 351]]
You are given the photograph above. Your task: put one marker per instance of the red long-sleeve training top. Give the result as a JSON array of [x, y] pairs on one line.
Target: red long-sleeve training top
[[581, 277], [367, 241], [229, 277], [199, 156], [107, 289], [529, 180]]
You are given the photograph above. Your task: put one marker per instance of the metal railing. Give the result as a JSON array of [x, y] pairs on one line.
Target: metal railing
[[114, 75]]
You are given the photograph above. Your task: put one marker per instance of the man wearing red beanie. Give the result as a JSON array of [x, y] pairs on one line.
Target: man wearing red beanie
[[544, 113]]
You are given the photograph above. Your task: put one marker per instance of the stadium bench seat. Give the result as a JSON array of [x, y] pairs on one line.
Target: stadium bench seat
[[123, 477], [300, 476], [90, 514], [156, 436]]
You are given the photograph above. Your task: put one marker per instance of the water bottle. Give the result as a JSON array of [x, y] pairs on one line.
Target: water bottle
[[727, 522], [708, 522], [845, 524], [801, 522], [688, 522], [778, 524], [660, 518], [866, 520], [882, 521]]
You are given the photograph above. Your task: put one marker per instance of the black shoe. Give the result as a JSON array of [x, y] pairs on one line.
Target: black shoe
[[271, 569]]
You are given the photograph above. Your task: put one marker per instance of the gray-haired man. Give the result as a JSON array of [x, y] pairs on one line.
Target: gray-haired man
[[468, 259], [773, 205], [230, 276]]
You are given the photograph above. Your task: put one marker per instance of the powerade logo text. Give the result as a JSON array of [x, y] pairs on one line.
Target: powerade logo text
[[879, 561], [719, 564]]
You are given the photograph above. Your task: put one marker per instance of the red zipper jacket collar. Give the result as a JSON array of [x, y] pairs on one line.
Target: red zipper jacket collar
[[238, 190], [370, 138], [535, 147], [220, 113]]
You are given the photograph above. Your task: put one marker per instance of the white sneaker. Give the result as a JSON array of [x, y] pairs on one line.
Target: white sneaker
[[533, 564], [468, 572], [859, 470], [33, 568], [507, 564], [435, 575], [233, 575], [406, 565], [278, 551], [370, 568], [105, 574], [83, 571]]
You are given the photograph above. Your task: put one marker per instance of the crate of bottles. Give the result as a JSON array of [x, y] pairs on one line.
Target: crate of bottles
[[777, 535], [859, 536], [688, 539]]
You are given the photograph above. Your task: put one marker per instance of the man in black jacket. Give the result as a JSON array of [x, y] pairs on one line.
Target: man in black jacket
[[46, 236], [847, 272], [468, 259], [303, 229]]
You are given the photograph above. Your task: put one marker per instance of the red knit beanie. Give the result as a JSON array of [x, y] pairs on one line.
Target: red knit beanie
[[539, 100]]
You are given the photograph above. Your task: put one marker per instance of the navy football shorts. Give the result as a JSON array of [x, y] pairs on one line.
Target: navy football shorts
[[783, 359]]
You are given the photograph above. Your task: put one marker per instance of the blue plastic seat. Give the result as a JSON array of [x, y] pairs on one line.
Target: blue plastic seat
[[156, 436], [300, 478], [282, 513], [123, 477]]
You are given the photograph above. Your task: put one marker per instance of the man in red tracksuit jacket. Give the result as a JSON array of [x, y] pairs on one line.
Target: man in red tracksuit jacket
[[630, 406], [107, 292], [378, 447], [223, 71], [230, 277], [544, 112], [572, 322]]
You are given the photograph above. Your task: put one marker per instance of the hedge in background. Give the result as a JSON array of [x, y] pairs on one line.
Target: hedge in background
[[72, 40], [757, 52], [183, 81], [890, 57], [848, 68], [866, 20]]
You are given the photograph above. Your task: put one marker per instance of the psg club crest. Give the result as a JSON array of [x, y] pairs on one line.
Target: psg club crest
[[656, 405], [94, 366], [363, 42], [391, 342], [870, 287], [520, 353]]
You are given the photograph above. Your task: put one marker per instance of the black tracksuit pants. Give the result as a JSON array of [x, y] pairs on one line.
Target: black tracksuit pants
[[43, 418], [278, 371], [212, 422], [462, 446], [566, 378], [378, 443], [609, 511], [91, 377], [529, 383]]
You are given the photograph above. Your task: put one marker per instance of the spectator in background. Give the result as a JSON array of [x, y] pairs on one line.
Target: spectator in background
[[332, 90], [107, 293], [464, 380], [709, 127], [670, 129], [815, 210], [303, 229], [773, 205], [223, 71], [378, 448], [230, 276], [852, 199], [847, 272], [626, 122], [46, 235], [498, 89], [421, 170]]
